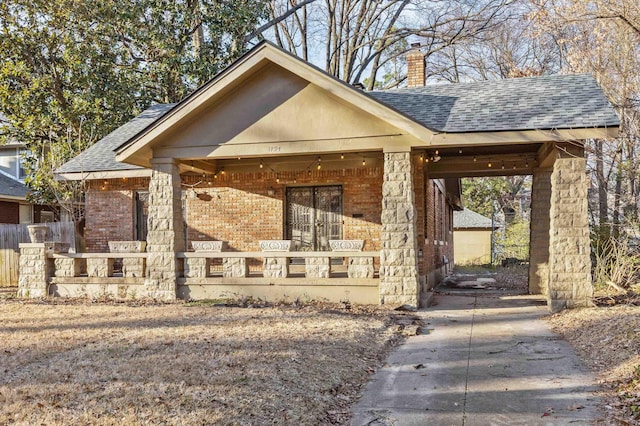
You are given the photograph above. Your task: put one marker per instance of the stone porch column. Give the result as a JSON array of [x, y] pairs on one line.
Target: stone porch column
[[165, 229], [399, 255], [35, 269], [569, 245], [539, 232]]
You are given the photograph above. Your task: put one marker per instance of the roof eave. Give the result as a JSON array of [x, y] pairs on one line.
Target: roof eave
[[126, 153], [104, 174]]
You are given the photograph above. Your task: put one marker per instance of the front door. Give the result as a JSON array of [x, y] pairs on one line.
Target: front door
[[314, 216]]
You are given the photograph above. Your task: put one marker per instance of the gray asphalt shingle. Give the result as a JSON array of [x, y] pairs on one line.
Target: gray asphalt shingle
[[469, 219], [533, 103], [101, 155], [12, 188], [536, 103]]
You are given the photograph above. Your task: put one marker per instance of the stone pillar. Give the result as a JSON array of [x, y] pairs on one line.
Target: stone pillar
[[275, 267], [35, 269], [398, 257], [360, 267], [317, 267], [100, 267], [67, 267], [569, 246], [539, 232], [197, 267], [235, 267], [165, 229]]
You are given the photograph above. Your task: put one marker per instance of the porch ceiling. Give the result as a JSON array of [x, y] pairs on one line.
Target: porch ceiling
[[290, 163], [494, 160]]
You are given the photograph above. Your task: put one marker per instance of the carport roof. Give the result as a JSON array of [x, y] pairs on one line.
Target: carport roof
[[533, 103]]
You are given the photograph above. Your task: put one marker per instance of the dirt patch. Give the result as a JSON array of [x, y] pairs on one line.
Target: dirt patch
[[114, 363], [608, 340], [507, 280]]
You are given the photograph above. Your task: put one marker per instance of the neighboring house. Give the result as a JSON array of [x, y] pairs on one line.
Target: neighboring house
[[471, 238], [14, 207], [273, 148]]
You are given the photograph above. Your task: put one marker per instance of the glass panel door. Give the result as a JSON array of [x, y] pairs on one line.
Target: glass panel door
[[314, 216]]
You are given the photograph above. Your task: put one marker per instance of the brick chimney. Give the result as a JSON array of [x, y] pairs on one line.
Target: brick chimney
[[415, 67]]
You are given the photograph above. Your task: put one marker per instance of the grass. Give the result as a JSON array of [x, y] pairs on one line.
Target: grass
[[82, 363]]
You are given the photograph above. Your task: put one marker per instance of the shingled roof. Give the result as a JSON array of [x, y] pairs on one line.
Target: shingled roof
[[468, 219], [12, 188], [101, 156], [534, 103]]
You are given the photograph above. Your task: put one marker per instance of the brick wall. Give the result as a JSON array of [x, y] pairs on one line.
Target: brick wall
[[110, 209], [9, 212], [237, 208]]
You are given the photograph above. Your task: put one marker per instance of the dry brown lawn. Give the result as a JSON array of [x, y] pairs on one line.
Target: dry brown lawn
[[107, 363], [607, 338]]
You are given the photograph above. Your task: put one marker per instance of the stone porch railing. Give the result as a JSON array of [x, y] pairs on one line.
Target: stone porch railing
[[277, 264], [47, 270]]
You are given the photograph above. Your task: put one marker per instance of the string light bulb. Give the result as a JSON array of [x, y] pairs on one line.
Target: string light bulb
[[475, 158], [489, 165], [319, 166], [261, 164], [277, 178], [514, 166], [503, 165], [222, 172], [460, 151], [342, 156], [364, 161]]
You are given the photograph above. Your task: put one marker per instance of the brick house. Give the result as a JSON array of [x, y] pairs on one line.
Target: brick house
[[275, 149]]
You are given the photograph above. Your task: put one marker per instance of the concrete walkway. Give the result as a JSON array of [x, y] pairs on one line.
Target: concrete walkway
[[483, 360]]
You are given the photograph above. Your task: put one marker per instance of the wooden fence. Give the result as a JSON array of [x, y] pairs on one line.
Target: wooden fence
[[10, 238]]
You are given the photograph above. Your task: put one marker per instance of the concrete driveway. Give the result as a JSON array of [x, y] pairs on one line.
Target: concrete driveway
[[481, 360]]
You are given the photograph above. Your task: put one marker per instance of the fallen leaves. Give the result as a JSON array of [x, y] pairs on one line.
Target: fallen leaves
[[109, 363], [607, 340]]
